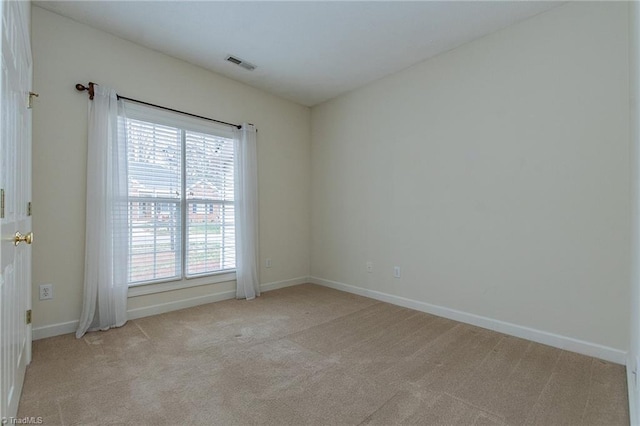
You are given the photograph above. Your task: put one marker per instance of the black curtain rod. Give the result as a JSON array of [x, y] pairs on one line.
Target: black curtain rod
[[82, 88]]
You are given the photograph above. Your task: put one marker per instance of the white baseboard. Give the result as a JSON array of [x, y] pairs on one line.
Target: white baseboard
[[562, 342], [54, 330], [175, 305], [71, 326], [551, 339], [203, 300], [282, 284]]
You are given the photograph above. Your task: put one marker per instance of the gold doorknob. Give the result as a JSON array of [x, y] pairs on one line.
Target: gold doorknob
[[28, 238]]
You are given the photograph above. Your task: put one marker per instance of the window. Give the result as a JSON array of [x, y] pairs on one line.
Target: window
[[181, 196]]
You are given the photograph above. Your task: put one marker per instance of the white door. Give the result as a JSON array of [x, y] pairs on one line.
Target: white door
[[15, 183]]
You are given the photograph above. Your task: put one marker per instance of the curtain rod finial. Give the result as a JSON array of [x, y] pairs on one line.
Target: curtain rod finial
[[81, 88]]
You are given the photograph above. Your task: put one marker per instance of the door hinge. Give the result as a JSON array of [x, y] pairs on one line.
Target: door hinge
[[29, 208], [31, 96], [29, 316], [1, 203]]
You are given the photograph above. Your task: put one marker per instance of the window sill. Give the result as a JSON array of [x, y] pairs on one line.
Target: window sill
[[144, 289]]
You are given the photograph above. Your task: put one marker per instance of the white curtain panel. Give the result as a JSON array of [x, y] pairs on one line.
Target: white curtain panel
[[106, 249], [246, 212]]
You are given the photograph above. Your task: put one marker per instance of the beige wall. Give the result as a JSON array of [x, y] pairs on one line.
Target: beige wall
[[66, 53], [495, 175]]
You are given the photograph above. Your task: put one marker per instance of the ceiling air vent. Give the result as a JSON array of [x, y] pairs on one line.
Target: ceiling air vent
[[241, 63]]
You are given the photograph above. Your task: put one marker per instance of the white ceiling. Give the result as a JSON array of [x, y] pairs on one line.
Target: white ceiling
[[305, 51]]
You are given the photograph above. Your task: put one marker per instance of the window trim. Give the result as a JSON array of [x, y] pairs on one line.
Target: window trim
[[171, 285], [183, 124]]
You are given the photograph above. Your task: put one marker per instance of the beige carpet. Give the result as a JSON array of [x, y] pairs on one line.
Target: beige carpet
[[312, 355]]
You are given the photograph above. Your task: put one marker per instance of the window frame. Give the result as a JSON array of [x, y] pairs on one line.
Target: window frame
[[184, 124]]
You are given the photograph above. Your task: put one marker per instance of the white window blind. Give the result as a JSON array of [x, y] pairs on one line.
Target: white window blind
[[181, 206], [210, 218]]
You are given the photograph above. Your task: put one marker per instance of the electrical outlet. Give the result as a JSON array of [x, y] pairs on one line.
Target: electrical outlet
[[396, 271], [369, 267], [268, 263], [46, 291]]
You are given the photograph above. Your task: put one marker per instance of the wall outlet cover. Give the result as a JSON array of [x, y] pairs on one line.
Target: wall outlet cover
[[46, 291]]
